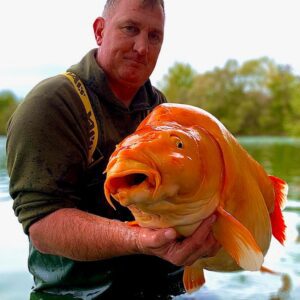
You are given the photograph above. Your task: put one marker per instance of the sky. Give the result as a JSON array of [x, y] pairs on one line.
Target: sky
[[41, 38]]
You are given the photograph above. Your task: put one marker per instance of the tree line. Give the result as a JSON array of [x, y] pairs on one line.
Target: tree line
[[258, 97], [8, 104]]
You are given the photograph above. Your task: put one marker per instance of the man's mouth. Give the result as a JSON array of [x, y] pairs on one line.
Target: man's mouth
[[135, 60]]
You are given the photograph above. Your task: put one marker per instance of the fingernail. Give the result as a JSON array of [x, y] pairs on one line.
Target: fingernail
[[170, 234]]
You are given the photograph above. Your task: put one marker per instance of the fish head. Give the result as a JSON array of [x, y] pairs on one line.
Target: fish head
[[167, 176]]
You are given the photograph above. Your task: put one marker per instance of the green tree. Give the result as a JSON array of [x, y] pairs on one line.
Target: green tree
[[223, 93], [258, 97], [177, 83], [292, 124], [8, 104], [284, 88], [254, 77]]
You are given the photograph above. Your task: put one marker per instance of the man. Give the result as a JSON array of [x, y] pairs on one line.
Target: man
[[79, 246]]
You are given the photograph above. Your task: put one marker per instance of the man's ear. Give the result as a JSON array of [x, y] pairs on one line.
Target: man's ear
[[98, 29]]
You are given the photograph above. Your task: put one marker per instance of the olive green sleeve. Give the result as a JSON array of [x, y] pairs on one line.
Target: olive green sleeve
[[47, 151]]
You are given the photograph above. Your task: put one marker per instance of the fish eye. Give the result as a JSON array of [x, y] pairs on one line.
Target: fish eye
[[177, 141], [179, 144]]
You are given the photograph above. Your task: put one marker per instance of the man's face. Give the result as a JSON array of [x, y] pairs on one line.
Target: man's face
[[130, 42]]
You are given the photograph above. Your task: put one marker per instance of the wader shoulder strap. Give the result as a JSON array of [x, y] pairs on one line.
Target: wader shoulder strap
[[93, 129]]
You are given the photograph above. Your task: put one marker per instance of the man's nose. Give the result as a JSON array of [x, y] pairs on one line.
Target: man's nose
[[141, 45]]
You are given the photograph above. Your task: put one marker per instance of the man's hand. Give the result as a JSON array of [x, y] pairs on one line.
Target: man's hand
[[164, 243]]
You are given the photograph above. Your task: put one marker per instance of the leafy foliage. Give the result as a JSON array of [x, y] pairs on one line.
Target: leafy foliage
[[258, 97], [180, 76], [8, 104]]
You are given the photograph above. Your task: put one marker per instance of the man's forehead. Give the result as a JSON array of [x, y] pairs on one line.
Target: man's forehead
[[139, 15], [143, 3], [125, 5]]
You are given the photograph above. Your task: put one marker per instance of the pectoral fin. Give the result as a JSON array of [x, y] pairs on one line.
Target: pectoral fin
[[193, 278], [238, 241]]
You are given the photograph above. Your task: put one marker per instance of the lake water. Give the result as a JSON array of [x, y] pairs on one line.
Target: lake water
[[280, 157]]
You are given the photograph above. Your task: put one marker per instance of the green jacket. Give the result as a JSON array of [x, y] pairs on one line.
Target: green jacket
[[47, 150]]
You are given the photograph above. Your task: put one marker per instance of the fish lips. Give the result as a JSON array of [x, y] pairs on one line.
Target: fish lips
[[130, 182]]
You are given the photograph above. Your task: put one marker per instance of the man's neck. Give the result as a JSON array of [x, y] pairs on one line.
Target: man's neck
[[124, 94], [123, 91]]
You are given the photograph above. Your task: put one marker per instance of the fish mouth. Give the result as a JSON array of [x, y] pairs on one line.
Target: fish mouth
[[133, 185], [128, 181]]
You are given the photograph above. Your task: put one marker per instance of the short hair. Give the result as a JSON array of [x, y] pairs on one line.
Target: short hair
[[110, 4]]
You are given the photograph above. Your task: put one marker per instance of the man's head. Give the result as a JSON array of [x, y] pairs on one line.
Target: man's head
[[110, 5], [130, 36]]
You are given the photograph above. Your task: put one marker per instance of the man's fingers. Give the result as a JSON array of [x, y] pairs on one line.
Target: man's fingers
[[196, 240], [170, 234], [207, 223], [209, 248], [165, 244], [151, 241], [200, 243]]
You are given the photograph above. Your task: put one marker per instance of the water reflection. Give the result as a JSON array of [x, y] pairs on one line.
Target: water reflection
[[4, 196], [2, 153], [279, 156], [298, 237]]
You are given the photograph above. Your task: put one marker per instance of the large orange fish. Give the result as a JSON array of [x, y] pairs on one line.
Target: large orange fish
[[180, 166]]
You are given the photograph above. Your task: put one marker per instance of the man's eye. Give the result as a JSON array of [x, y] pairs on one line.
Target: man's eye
[[155, 38], [130, 29]]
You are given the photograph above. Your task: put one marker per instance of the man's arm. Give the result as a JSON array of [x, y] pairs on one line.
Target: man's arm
[[82, 236]]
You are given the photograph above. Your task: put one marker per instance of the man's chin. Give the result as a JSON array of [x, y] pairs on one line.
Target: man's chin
[[134, 79], [135, 73]]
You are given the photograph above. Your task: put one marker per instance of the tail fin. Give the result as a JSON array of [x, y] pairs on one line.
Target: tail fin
[[277, 221]]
